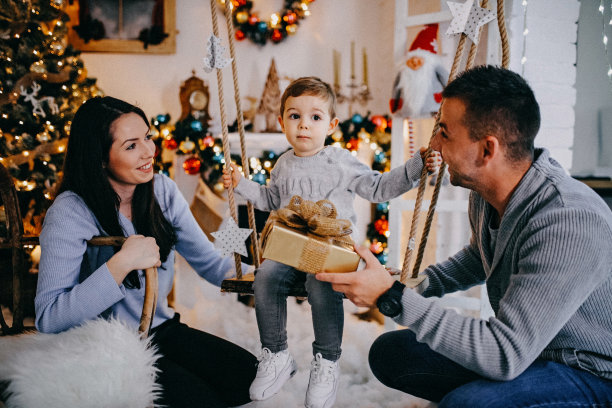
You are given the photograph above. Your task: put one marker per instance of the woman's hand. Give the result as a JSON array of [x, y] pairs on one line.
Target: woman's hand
[[137, 252], [233, 178], [431, 162]]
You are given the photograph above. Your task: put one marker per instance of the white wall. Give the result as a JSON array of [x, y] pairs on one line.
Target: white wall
[[550, 67], [594, 92], [153, 81]]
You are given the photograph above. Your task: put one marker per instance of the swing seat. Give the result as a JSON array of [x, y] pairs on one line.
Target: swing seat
[[244, 286]]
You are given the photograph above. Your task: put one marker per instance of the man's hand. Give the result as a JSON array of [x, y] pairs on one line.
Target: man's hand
[[362, 287]]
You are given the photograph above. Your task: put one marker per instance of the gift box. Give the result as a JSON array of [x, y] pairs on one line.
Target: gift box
[[310, 241]]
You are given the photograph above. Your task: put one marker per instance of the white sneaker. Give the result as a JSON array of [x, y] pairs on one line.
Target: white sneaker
[[273, 371], [323, 384]]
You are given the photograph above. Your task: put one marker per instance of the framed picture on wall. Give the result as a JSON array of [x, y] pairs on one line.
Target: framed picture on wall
[[128, 26]]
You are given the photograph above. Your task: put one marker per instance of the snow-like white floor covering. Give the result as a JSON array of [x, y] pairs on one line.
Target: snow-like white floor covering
[[203, 306]]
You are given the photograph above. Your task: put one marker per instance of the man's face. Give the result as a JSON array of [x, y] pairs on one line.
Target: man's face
[[452, 140]]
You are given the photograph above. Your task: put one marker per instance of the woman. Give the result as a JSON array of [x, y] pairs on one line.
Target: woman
[[109, 188]]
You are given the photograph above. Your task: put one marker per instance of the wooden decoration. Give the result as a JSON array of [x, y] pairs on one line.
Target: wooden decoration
[[269, 106]]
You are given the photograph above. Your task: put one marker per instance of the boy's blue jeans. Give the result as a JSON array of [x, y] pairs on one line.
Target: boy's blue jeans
[[399, 361], [272, 283]]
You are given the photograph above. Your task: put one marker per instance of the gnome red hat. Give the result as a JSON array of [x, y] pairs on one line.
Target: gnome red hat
[[426, 39]]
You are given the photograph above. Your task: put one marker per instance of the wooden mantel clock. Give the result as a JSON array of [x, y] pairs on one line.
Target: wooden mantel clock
[[194, 97]]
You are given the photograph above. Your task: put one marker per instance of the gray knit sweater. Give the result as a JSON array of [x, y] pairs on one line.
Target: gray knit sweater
[[549, 279], [333, 174]]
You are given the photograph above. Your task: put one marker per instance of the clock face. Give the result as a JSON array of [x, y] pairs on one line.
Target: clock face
[[198, 100]]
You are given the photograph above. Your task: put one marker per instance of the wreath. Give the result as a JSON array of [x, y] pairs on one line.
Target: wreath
[[282, 24]]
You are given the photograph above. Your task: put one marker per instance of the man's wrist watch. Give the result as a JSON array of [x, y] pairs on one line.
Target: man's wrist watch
[[390, 302]]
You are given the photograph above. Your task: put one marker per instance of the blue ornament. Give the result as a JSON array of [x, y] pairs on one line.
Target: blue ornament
[[196, 126], [382, 257], [380, 157], [259, 178], [218, 158], [382, 206], [262, 26], [163, 118], [357, 119], [271, 155]]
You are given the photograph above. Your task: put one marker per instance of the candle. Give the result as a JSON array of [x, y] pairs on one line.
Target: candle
[[336, 60], [365, 67], [352, 59]]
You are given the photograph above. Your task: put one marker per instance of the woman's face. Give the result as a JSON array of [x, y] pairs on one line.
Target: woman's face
[[130, 159]]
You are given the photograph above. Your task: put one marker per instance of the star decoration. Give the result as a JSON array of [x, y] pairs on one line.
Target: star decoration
[[468, 17], [231, 239]]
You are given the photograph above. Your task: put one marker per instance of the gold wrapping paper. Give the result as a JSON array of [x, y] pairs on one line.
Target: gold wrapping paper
[[307, 252]]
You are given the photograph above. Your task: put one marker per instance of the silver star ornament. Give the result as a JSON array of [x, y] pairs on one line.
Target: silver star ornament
[[468, 17], [231, 239]]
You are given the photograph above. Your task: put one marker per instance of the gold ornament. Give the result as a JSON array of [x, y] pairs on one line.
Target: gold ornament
[[219, 188], [337, 135], [242, 17], [291, 29], [43, 137], [187, 146], [38, 67]]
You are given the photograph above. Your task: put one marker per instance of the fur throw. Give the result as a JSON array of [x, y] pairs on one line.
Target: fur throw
[[101, 364]]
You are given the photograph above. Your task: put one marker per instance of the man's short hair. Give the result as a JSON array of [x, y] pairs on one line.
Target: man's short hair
[[310, 86], [498, 102]]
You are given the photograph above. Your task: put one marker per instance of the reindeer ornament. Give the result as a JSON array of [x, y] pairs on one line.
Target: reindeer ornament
[[37, 107]]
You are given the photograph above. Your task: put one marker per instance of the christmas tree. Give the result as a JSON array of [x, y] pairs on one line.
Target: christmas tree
[[42, 83]]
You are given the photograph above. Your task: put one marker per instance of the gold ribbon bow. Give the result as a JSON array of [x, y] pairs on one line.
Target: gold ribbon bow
[[318, 220]]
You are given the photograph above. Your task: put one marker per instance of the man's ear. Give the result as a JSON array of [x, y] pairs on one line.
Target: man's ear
[[280, 121], [332, 126], [490, 148]]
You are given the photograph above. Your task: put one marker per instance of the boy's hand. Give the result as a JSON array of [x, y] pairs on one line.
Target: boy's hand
[[432, 163], [233, 178]]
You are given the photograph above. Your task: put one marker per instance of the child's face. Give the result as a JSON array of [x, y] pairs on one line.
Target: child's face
[[306, 123]]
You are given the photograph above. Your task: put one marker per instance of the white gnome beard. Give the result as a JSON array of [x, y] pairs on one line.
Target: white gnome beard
[[416, 85]]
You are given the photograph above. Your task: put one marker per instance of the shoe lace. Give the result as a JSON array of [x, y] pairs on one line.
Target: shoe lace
[[322, 372], [266, 360]]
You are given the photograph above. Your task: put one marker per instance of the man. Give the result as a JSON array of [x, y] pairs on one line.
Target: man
[[541, 241]]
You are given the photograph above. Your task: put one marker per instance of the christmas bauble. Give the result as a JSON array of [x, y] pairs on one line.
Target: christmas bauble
[[187, 146], [170, 144], [192, 165]]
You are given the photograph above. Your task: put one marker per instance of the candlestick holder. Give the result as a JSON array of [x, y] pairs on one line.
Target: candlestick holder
[[356, 93]]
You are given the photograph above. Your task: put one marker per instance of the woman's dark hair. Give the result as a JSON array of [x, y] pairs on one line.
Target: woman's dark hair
[[501, 102], [85, 174]]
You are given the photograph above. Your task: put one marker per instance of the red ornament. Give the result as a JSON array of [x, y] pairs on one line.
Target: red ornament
[[170, 144], [290, 18], [353, 144], [390, 123], [376, 247], [208, 141], [276, 35], [192, 165], [382, 226], [379, 121], [253, 19], [240, 35]]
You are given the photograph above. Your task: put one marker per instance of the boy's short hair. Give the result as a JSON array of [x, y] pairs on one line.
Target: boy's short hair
[[310, 86]]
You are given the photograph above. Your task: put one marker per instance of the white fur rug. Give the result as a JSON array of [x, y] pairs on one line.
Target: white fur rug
[[101, 364]]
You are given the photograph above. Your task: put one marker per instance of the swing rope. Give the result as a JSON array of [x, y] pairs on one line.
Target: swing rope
[[245, 162], [226, 146], [423, 181]]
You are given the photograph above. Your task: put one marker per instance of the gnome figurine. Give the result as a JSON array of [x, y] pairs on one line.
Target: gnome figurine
[[417, 90]]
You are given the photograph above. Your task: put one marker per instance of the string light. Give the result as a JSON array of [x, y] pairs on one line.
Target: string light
[[602, 10], [525, 32]]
